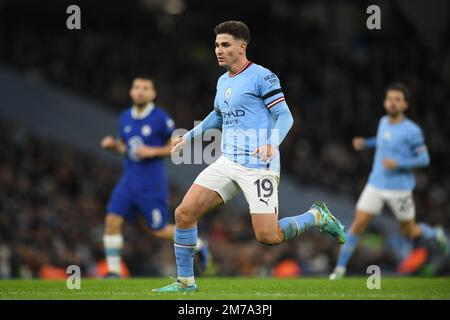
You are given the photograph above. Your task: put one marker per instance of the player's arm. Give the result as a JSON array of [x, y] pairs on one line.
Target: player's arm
[[360, 143], [269, 87], [212, 121], [114, 145], [420, 157], [147, 152], [283, 119], [283, 122]]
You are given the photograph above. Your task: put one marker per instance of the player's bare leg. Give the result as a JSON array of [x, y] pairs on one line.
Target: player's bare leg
[[113, 242], [362, 220], [413, 230], [266, 228], [197, 201], [165, 233], [410, 229], [359, 225]]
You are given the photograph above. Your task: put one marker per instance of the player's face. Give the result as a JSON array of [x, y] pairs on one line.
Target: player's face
[[395, 103], [228, 49], [142, 92]]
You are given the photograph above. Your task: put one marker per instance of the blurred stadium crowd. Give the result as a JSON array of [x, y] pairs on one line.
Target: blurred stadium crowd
[[52, 204], [53, 197]]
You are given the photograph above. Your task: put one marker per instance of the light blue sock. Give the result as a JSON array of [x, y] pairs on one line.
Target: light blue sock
[[428, 232], [293, 226], [347, 250], [185, 241]]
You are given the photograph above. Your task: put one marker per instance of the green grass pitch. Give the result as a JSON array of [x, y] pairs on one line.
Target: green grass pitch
[[232, 289]]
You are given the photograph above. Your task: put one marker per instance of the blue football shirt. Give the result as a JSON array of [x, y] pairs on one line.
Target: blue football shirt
[[152, 128]]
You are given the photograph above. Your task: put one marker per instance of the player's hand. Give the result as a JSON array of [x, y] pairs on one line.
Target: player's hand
[[358, 143], [144, 152], [108, 142], [389, 164], [177, 144], [265, 153]]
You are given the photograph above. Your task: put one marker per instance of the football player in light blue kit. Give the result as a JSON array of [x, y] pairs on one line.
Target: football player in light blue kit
[[145, 132], [400, 147], [251, 110]]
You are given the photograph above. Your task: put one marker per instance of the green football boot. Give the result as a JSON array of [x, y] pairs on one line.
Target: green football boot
[[176, 287], [329, 223]]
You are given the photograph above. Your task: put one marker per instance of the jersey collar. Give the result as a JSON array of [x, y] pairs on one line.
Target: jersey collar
[[248, 64], [148, 108]]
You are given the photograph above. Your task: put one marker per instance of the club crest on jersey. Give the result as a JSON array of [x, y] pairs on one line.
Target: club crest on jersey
[[127, 129], [387, 135], [228, 92], [146, 130]]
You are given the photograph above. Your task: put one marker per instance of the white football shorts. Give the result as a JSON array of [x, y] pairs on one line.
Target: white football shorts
[[228, 178], [372, 200]]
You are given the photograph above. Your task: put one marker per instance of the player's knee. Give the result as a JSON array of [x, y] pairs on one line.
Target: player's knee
[[113, 224], [407, 231], [268, 238], [183, 216]]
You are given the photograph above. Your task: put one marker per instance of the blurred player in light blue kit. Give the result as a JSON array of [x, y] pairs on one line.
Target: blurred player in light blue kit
[[145, 133], [251, 111], [400, 147]]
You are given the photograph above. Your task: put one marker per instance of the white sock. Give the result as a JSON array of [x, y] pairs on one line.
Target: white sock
[[113, 246]]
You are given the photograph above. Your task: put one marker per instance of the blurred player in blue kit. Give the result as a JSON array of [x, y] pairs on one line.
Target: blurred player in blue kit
[[251, 111], [400, 147], [145, 138]]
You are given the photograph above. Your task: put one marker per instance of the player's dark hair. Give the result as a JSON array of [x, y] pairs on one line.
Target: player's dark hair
[[237, 29], [145, 77], [397, 86]]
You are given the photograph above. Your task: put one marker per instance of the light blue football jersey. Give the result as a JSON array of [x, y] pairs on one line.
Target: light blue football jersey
[[404, 143], [244, 99]]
